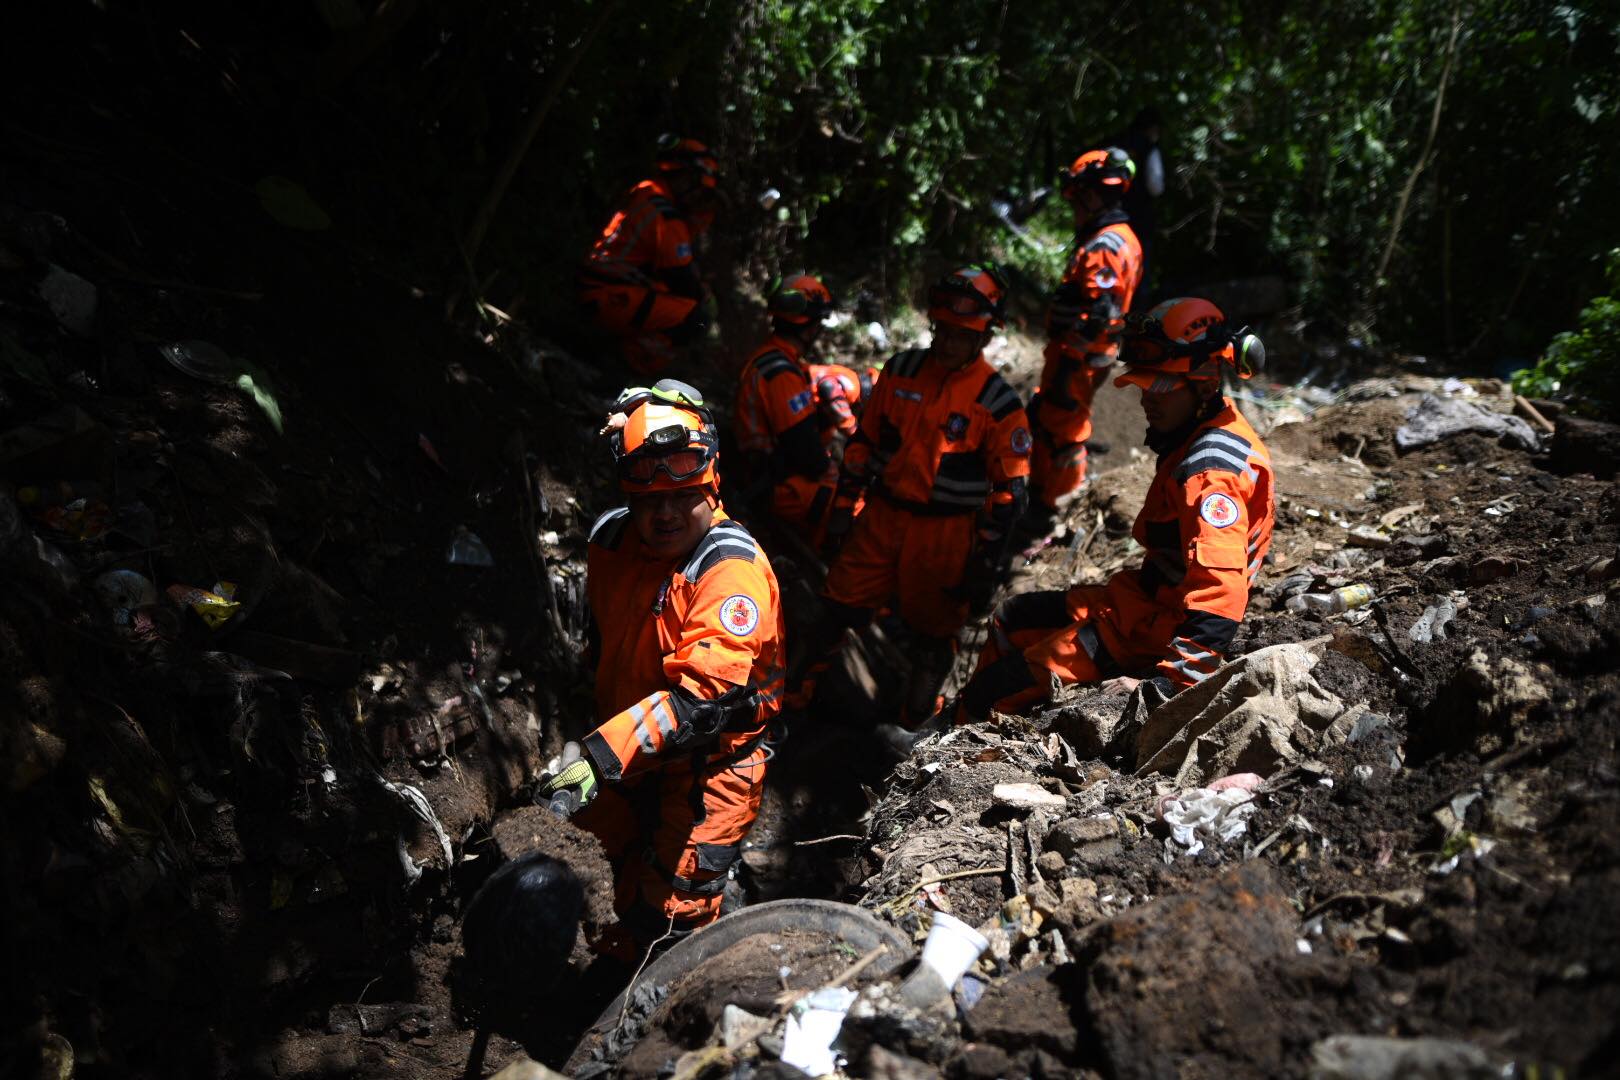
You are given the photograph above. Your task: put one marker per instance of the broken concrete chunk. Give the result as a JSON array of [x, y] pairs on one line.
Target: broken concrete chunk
[[1070, 836], [1026, 797]]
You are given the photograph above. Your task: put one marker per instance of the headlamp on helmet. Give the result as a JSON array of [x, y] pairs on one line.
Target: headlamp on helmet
[[663, 438]]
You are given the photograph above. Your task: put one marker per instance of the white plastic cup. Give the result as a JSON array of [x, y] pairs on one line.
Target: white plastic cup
[[952, 947]]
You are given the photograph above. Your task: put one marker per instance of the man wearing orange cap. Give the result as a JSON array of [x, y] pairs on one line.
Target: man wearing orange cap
[[1083, 322], [941, 458], [788, 413], [640, 283], [1206, 526], [687, 633]]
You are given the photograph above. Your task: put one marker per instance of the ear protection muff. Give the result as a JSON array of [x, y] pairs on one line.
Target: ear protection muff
[[1248, 354]]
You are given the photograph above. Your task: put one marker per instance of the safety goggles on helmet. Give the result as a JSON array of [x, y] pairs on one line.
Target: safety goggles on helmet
[[663, 429], [974, 297], [643, 466]]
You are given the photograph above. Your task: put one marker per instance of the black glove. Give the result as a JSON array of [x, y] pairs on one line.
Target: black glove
[[980, 577], [839, 523]]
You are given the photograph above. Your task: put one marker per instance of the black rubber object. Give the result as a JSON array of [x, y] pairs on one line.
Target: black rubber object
[[842, 922]]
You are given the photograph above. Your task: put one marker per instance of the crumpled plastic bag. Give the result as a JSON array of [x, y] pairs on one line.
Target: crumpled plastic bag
[[812, 1025], [1205, 816], [1433, 419], [1254, 714]]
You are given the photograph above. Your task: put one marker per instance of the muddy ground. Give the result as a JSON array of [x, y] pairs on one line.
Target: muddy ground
[[242, 849]]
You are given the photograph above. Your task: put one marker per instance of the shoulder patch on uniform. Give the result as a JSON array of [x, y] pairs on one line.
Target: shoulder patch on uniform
[[1216, 450], [1022, 441], [608, 529], [999, 398], [1219, 509], [727, 540], [774, 363], [1106, 241], [739, 614], [904, 365]]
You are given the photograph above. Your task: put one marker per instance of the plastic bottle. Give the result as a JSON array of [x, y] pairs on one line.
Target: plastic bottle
[[1351, 597], [1345, 599]]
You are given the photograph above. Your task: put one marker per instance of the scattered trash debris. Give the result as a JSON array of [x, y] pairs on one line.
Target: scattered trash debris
[[123, 592], [1259, 710], [1205, 816], [1433, 419], [1026, 797], [1339, 600], [812, 1025], [214, 608], [467, 549], [208, 362], [1431, 625]]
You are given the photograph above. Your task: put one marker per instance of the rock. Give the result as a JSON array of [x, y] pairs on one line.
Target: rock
[[1586, 446], [1026, 797], [884, 1064], [1185, 985], [980, 1061], [1495, 568], [1077, 908], [1069, 836], [1031, 1008], [1480, 706], [1051, 863], [1376, 1057]]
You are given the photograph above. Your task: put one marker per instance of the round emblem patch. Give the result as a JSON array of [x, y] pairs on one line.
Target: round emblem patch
[[1021, 441], [1219, 510], [739, 614]]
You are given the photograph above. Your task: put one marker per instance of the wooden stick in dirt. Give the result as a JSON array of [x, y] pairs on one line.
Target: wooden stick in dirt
[[1524, 408]]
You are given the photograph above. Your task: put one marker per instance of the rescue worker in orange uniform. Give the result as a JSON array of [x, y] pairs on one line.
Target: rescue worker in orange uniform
[[942, 458], [687, 633], [1206, 525], [1083, 322], [789, 412], [640, 283]]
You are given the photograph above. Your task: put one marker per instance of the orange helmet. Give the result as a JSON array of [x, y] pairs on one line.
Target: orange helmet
[[678, 155], [973, 297], [1108, 171], [799, 299], [1181, 339], [664, 430]]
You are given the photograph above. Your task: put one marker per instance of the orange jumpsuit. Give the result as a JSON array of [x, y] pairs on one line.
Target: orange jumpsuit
[[1206, 525], [639, 281], [787, 413], [1083, 326], [688, 675], [938, 449]]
